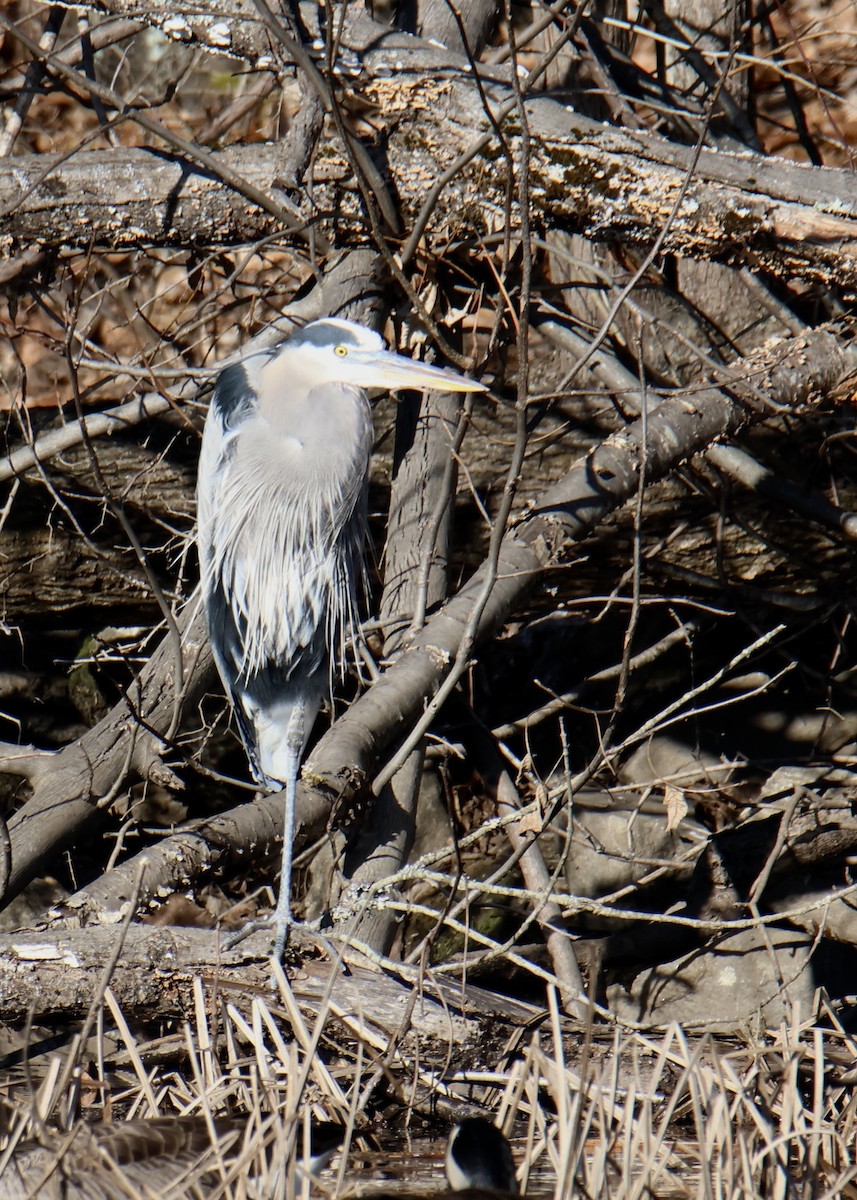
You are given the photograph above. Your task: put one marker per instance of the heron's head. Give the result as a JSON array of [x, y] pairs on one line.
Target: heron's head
[[336, 351]]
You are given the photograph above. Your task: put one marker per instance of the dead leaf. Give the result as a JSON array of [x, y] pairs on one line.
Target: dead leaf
[[676, 806]]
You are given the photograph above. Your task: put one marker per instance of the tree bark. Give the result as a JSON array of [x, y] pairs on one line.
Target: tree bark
[[768, 214], [45, 975], [786, 374]]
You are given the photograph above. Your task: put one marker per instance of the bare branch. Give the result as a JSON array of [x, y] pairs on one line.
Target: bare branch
[[611, 185], [784, 375]]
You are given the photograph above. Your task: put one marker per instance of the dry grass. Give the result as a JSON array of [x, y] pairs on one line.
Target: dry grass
[[773, 1116]]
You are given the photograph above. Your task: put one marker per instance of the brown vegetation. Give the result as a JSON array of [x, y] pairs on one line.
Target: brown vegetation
[[596, 764]]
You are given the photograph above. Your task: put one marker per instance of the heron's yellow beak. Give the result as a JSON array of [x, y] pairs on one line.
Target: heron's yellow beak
[[390, 371]]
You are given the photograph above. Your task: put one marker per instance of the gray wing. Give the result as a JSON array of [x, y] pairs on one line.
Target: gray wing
[[281, 577], [232, 406]]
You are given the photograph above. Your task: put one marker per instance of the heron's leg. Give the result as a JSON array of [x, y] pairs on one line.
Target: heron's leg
[[295, 740], [283, 914]]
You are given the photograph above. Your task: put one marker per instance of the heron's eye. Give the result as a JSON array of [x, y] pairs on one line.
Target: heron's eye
[[340, 351]]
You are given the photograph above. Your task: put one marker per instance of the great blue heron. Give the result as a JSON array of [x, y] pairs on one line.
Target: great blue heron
[[282, 489]]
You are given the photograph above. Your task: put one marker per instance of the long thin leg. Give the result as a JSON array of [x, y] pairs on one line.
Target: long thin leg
[[295, 742], [283, 913]]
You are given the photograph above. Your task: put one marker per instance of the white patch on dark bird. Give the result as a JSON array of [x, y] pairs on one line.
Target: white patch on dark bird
[[282, 495], [478, 1156]]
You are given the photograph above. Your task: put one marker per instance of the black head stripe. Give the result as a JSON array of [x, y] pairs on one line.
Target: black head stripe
[[323, 333]]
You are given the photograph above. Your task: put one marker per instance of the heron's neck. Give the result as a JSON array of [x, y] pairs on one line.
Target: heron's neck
[[320, 419]]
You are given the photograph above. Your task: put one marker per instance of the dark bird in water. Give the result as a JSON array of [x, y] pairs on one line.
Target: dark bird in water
[[479, 1159], [479, 1166]]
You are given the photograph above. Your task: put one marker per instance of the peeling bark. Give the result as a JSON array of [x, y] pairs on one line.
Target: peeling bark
[[790, 220]]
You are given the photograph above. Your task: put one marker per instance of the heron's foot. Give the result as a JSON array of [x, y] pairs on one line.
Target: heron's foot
[[283, 929]]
